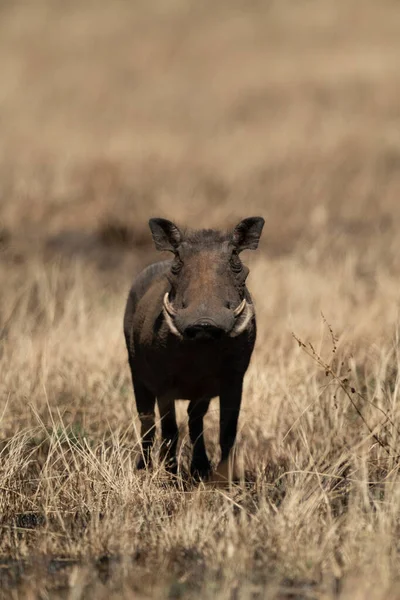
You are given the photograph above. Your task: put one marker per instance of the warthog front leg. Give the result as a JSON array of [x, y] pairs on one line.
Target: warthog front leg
[[169, 431], [230, 400], [200, 466], [145, 404]]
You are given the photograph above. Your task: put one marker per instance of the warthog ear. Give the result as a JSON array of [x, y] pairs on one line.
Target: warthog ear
[[166, 235], [247, 233]]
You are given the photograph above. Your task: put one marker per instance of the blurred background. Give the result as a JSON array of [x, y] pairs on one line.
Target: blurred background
[[203, 113]]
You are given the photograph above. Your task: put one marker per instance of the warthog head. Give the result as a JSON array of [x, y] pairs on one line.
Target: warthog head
[[208, 298]]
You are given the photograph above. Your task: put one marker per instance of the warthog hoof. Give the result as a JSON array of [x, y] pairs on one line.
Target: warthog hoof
[[171, 465], [200, 468], [143, 464]]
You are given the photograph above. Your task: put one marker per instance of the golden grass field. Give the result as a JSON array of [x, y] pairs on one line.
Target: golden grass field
[[203, 113]]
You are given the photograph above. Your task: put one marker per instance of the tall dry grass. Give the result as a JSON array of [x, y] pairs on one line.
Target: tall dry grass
[[203, 114]]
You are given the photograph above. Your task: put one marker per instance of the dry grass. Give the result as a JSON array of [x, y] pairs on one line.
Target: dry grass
[[202, 113]]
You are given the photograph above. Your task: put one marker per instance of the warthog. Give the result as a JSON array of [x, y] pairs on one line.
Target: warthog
[[190, 330]]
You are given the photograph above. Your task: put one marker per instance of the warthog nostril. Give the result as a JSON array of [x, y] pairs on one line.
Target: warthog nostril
[[203, 331]]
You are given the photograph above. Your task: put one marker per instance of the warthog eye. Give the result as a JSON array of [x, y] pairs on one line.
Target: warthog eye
[[176, 266], [235, 263]]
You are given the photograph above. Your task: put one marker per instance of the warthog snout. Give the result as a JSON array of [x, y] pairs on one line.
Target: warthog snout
[[203, 330], [195, 323]]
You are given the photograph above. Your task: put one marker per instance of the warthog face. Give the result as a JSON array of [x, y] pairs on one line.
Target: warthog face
[[208, 298]]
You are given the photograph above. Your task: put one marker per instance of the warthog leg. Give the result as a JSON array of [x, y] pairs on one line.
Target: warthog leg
[[200, 466], [230, 399], [145, 404], [169, 432]]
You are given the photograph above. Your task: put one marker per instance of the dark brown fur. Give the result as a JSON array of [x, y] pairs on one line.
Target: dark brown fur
[[203, 349]]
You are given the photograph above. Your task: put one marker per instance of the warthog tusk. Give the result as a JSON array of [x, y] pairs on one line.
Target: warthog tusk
[[238, 311], [168, 306]]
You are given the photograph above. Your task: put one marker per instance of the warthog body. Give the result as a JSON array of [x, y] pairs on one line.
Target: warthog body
[[190, 330]]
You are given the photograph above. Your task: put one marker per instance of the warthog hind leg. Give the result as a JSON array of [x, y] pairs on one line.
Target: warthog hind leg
[[200, 466], [145, 404], [169, 431]]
